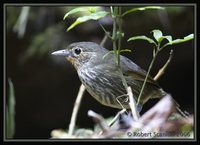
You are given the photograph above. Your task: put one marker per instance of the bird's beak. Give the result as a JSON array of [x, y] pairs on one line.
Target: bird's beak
[[61, 53]]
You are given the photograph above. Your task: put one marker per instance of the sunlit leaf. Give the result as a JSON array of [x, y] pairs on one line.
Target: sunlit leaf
[[177, 41], [169, 38], [120, 34], [157, 34], [142, 38], [187, 38], [92, 16], [81, 9], [125, 50], [141, 9]]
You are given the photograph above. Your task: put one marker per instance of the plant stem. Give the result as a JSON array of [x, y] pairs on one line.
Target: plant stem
[[106, 32], [114, 38], [148, 72], [116, 15], [119, 20], [162, 70]]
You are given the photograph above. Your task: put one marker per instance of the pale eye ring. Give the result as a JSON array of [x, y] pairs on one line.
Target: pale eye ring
[[77, 50]]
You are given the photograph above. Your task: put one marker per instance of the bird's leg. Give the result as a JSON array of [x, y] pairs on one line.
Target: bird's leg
[[138, 107], [120, 102], [122, 111]]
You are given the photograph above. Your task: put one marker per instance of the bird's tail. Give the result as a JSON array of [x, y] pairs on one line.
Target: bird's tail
[[178, 108]]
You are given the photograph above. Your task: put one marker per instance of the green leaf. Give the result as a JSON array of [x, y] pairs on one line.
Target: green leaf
[[112, 51], [125, 50], [92, 16], [10, 112], [187, 38], [142, 38], [169, 38], [157, 34], [120, 34], [141, 9], [117, 51], [81, 9]]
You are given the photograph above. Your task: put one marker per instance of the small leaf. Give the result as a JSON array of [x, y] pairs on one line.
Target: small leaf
[[81, 9], [187, 38], [169, 38], [92, 16], [120, 34], [157, 34], [73, 11], [77, 22], [142, 38], [141, 9], [112, 51], [125, 50], [117, 51], [93, 9]]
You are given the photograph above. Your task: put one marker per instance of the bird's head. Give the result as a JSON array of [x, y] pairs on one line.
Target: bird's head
[[80, 53]]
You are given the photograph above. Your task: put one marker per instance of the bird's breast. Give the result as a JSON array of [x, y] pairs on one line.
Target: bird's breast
[[102, 86]]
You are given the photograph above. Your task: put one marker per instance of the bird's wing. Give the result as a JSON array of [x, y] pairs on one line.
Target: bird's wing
[[130, 69]]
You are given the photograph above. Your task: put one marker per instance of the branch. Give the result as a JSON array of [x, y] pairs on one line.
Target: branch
[[75, 109], [132, 104], [162, 70], [104, 39], [147, 75]]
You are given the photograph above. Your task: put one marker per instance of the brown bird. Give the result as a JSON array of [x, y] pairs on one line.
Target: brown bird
[[101, 77]]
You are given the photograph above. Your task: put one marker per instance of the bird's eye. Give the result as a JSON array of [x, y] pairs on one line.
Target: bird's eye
[[77, 51]]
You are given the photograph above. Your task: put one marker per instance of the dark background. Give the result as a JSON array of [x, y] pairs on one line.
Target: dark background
[[46, 86]]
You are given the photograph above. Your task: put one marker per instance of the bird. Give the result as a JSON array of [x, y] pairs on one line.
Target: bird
[[98, 72]]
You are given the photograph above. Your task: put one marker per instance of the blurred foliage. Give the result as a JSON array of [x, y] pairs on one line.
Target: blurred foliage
[[43, 33], [12, 14], [141, 9], [170, 9], [42, 40], [10, 112]]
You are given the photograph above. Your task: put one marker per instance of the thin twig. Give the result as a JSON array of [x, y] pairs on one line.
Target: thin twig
[[132, 104], [106, 32], [147, 75], [116, 116], [104, 39], [162, 70], [75, 109]]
